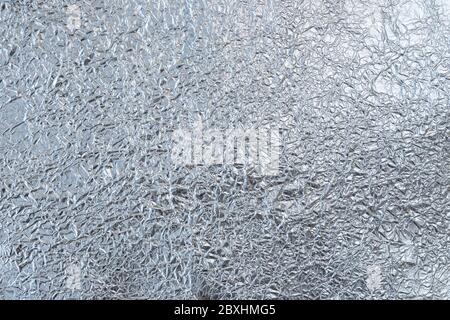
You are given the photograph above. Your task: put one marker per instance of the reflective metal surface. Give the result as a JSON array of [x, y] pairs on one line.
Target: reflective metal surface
[[355, 206]]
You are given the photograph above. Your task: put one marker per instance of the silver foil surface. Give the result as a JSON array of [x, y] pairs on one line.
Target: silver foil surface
[[93, 205]]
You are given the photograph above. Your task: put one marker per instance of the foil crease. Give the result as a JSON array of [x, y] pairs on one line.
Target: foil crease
[[92, 207]]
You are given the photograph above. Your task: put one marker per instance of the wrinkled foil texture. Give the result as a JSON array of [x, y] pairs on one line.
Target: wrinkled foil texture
[[359, 90]]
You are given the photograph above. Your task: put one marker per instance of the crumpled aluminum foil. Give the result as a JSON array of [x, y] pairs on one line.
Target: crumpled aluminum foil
[[91, 205]]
